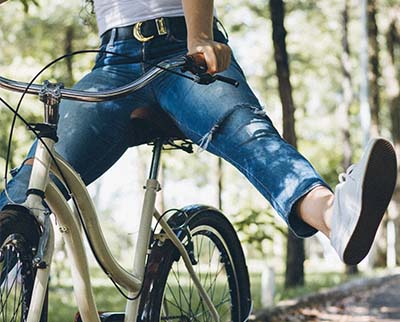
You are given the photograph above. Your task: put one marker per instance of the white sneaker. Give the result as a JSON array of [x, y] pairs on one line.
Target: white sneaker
[[361, 199]]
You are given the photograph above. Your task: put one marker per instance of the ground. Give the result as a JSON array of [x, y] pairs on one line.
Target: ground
[[367, 300]]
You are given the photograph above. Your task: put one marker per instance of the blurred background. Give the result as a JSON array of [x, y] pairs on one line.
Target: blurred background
[[327, 74]]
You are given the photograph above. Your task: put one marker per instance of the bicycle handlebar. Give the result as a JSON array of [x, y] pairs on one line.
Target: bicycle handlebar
[[187, 63], [87, 96]]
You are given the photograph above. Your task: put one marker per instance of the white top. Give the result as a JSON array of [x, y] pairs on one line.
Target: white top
[[119, 13]]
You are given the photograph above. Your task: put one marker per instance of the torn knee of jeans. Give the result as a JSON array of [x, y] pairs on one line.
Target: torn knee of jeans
[[27, 161], [206, 139]]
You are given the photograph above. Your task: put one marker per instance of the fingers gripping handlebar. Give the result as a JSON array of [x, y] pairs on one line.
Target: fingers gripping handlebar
[[197, 65]]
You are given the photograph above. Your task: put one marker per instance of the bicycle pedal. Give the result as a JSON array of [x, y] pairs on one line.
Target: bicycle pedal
[[105, 317]]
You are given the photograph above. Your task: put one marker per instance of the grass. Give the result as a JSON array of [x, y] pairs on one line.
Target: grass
[[314, 283], [62, 303]]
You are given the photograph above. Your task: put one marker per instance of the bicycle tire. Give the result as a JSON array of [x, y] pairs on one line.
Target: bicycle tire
[[19, 236], [220, 258]]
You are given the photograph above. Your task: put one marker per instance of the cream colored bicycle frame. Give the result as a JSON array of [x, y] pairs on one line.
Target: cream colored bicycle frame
[[69, 225]]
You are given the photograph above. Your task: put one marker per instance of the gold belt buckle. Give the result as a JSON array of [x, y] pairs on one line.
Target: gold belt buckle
[[137, 33], [161, 29]]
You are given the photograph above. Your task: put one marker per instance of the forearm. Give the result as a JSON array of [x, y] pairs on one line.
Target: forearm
[[199, 23], [199, 19]]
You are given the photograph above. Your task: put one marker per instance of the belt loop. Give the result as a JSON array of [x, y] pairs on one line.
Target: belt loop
[[110, 44]]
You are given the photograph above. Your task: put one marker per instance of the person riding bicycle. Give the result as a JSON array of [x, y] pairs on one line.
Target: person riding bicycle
[[222, 119]]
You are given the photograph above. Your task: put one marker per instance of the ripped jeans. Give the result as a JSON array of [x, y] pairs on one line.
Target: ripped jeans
[[224, 120]]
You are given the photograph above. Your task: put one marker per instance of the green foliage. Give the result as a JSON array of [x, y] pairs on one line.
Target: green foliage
[[29, 41], [256, 226]]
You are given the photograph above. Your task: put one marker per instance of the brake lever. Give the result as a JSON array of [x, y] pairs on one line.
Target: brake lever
[[199, 70], [205, 79]]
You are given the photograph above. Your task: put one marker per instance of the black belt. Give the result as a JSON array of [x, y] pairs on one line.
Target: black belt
[[146, 30]]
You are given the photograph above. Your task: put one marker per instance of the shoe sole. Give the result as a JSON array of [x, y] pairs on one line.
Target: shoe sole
[[378, 187]]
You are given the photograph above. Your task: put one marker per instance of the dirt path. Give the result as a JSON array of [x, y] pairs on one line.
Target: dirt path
[[377, 303]]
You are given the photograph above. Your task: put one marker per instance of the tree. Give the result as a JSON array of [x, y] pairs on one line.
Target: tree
[[373, 62], [393, 96], [295, 247], [347, 98]]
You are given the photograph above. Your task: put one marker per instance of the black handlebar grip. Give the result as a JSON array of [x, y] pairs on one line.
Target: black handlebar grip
[[228, 80]]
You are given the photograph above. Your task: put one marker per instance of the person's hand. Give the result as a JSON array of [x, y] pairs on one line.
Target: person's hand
[[216, 55]]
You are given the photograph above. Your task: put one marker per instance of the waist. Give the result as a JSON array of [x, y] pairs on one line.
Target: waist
[[145, 31]]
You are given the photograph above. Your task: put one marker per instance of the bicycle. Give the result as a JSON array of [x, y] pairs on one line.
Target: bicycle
[[197, 238]]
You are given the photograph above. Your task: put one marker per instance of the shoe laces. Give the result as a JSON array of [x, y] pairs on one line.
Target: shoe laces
[[344, 175]]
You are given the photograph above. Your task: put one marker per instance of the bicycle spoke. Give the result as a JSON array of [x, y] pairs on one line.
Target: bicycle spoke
[[12, 284], [173, 295], [6, 282], [215, 278], [205, 284], [20, 302], [13, 289], [181, 291], [183, 312], [205, 311], [9, 288]]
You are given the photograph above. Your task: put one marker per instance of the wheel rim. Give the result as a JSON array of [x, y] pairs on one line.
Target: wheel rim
[[15, 280], [181, 300]]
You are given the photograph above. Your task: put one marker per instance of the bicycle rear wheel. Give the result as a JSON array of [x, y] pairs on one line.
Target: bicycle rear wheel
[[169, 294], [19, 236]]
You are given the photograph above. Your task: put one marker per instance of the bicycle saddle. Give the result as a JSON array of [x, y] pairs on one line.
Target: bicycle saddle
[[159, 122]]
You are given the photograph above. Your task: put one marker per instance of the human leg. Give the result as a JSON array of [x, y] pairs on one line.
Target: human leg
[[316, 209], [232, 125]]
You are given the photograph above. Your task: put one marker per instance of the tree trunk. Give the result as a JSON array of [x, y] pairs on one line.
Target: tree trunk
[[392, 73], [295, 247], [347, 91], [347, 99], [379, 252], [69, 36], [373, 62], [365, 112]]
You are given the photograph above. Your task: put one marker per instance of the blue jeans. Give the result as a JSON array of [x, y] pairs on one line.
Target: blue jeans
[[224, 120]]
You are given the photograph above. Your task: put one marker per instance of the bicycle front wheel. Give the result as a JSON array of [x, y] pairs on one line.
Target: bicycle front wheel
[[169, 293], [19, 236]]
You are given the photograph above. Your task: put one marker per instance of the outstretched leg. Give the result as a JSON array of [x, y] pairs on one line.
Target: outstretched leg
[[230, 123]]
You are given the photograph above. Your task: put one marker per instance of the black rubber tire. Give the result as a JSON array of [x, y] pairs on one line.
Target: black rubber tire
[[209, 225], [19, 236]]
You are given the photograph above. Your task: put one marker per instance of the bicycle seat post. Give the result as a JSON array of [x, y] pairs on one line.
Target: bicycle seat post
[[155, 162], [151, 187]]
